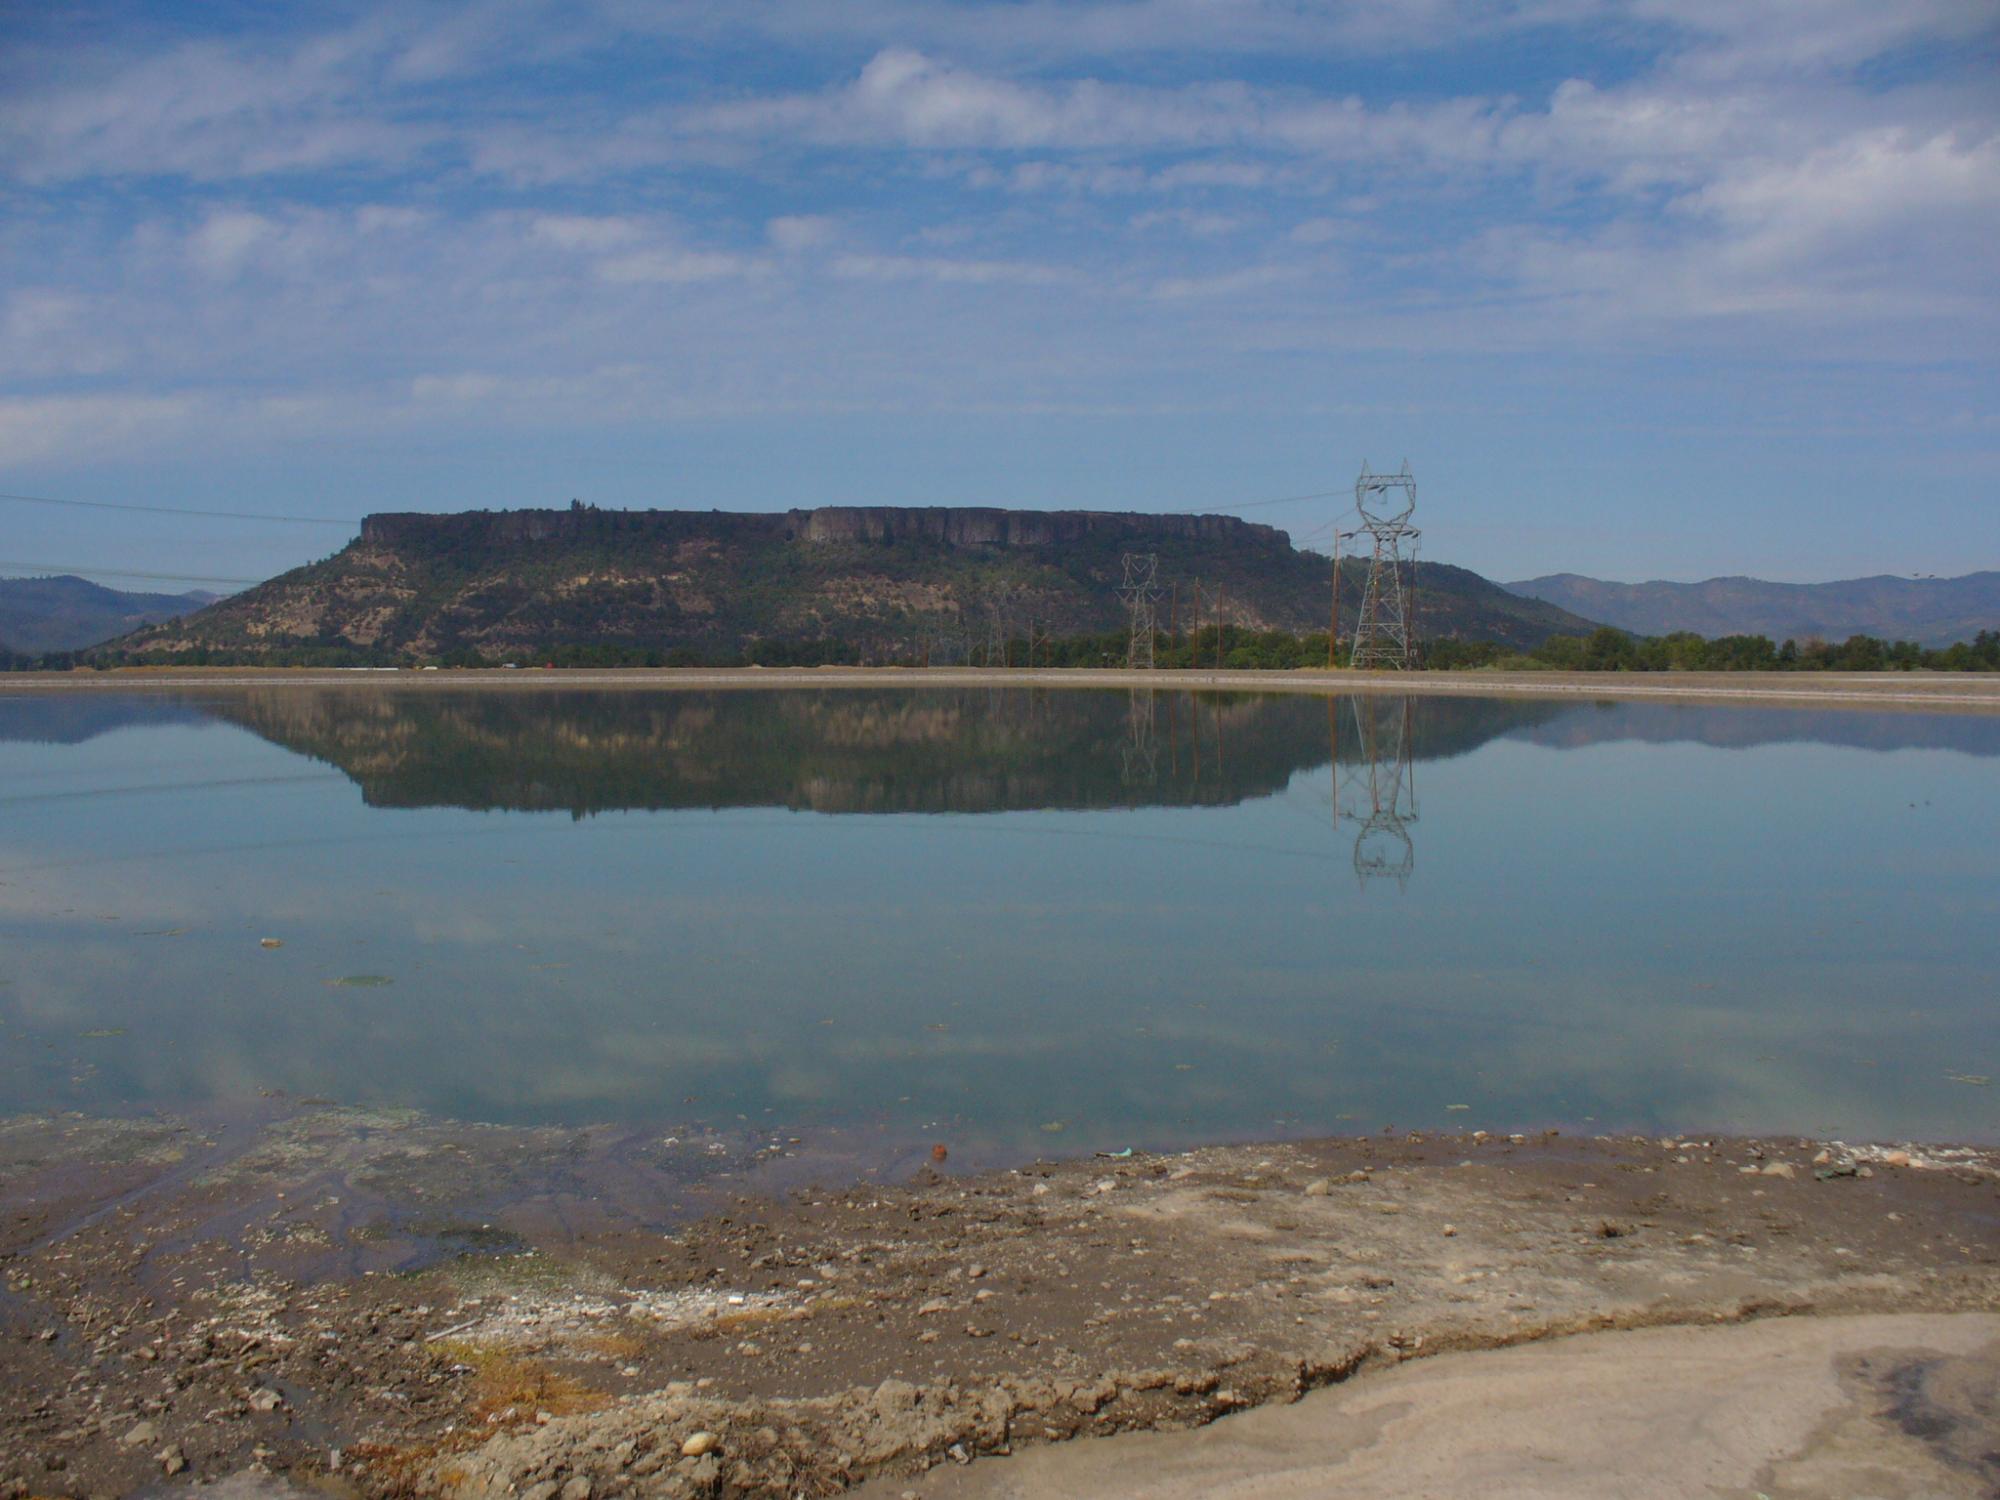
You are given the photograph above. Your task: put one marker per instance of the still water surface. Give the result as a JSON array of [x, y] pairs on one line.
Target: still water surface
[[1033, 921]]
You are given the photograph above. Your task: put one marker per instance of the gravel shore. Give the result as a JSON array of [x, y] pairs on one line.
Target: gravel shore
[[313, 1299]]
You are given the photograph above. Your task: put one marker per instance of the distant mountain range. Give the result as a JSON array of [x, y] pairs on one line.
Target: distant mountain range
[[507, 585], [1930, 611], [67, 613]]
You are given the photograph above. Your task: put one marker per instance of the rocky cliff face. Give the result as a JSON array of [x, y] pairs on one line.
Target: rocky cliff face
[[976, 526], [960, 527]]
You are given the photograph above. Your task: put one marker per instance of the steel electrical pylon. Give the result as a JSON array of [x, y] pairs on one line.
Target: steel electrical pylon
[[1385, 630], [1141, 593]]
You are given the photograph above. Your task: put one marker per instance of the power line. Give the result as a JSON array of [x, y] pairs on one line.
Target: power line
[[169, 510], [57, 568]]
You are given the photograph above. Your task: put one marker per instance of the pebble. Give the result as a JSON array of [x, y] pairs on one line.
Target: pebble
[[1780, 1169], [173, 1461], [1895, 1158], [700, 1443], [145, 1432], [1319, 1187], [265, 1399]]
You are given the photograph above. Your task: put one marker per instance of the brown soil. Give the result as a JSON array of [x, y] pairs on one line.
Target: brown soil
[[309, 1297]]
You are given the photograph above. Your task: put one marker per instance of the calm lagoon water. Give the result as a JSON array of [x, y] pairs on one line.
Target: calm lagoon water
[[1148, 920]]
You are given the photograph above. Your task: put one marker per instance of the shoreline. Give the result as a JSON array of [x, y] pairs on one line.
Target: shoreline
[[172, 1327], [1969, 693]]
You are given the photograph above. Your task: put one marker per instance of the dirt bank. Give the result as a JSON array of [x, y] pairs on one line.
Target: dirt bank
[[1948, 692], [176, 1309], [1894, 1408]]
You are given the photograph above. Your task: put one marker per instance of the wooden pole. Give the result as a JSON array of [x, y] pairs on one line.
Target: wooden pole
[[1333, 632]]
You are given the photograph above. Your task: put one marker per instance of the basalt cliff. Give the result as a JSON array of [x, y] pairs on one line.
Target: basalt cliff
[[874, 583]]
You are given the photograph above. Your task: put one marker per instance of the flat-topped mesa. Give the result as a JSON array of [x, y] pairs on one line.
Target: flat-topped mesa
[[947, 526]]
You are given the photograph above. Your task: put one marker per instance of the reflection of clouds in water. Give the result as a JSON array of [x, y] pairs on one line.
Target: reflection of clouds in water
[[546, 968]]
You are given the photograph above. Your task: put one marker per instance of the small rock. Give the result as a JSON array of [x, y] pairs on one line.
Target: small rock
[[700, 1443], [1319, 1187], [1450, 1230], [1895, 1158], [270, 942], [172, 1460], [577, 1488], [958, 1454], [144, 1433], [935, 1305], [1780, 1169], [265, 1399], [973, 1273]]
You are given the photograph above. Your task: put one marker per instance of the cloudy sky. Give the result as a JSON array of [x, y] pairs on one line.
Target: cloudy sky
[[1642, 288]]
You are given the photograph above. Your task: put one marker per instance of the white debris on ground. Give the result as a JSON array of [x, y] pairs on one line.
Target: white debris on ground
[[540, 1321]]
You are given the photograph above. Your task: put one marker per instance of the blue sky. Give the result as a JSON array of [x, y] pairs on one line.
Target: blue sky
[[1642, 288]]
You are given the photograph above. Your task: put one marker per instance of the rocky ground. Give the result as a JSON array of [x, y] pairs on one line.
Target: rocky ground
[[378, 1305]]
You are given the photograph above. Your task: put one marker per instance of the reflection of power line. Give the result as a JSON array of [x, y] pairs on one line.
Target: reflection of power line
[[1141, 755], [1378, 788]]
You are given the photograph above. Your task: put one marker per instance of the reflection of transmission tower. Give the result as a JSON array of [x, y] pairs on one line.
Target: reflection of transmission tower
[[1141, 755], [1378, 790], [1141, 593], [1385, 632]]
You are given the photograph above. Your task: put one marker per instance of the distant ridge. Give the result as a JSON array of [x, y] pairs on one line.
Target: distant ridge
[[505, 585], [1931, 611], [67, 613]]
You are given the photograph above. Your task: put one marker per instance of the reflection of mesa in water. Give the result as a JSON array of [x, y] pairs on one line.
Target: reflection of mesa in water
[[912, 749], [841, 751]]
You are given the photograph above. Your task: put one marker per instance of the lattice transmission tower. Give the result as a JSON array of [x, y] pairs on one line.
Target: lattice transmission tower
[[1141, 593], [1385, 632]]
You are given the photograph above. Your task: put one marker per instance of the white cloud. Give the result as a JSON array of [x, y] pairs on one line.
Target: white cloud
[[794, 233], [586, 232], [672, 265], [949, 272], [38, 429]]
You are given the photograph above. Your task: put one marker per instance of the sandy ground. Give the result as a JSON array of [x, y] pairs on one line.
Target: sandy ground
[[347, 1302], [1899, 1408], [1939, 691]]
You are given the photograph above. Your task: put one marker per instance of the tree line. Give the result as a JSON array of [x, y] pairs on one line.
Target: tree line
[[1228, 647]]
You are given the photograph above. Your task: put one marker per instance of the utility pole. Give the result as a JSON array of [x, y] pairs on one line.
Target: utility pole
[[1333, 630], [1218, 634]]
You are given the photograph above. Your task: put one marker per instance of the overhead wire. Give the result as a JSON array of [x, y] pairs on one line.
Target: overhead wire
[[177, 510], [83, 571]]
